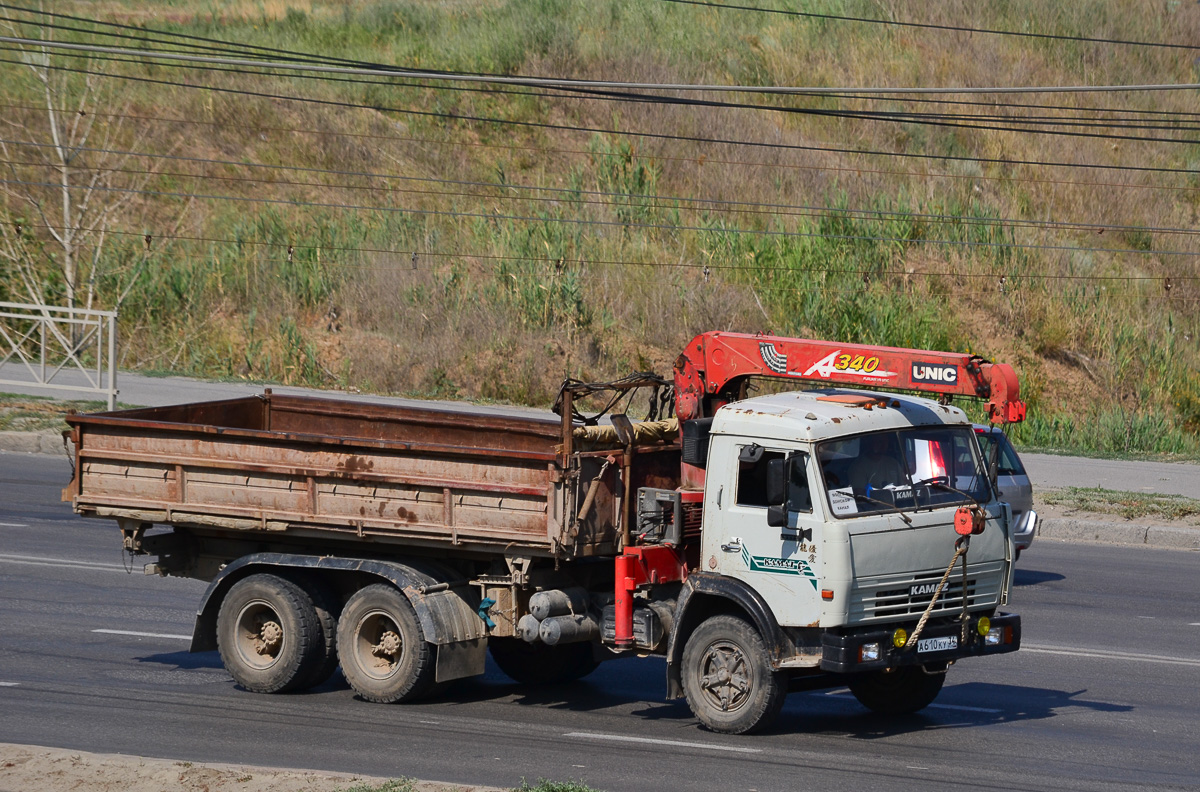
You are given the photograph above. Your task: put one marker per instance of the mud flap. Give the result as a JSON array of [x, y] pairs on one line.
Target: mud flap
[[460, 659]]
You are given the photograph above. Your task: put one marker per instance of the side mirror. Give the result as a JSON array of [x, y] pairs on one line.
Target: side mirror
[[777, 516], [776, 482]]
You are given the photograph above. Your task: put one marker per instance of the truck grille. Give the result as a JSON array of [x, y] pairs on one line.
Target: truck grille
[[890, 597]]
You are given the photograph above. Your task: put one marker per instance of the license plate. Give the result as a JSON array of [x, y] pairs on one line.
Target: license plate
[[942, 644]]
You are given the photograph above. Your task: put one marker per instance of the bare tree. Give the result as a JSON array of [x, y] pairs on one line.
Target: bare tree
[[72, 170]]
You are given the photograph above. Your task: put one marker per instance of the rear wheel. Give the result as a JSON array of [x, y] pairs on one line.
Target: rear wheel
[[325, 609], [384, 655], [899, 691], [269, 634], [728, 679], [539, 664]]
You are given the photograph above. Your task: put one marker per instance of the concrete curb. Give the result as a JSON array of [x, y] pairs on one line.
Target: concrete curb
[[50, 443], [1085, 529], [1075, 529]]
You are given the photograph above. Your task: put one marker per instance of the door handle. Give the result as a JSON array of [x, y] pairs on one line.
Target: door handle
[[733, 546]]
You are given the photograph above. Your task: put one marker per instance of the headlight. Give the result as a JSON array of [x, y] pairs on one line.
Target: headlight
[[900, 638], [984, 625], [869, 652]]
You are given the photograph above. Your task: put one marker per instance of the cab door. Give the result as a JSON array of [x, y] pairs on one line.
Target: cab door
[[780, 563]]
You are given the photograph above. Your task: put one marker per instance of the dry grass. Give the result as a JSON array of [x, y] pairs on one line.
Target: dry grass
[[1130, 505], [495, 318]]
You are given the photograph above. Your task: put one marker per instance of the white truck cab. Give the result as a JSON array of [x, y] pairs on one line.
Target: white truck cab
[[874, 482]]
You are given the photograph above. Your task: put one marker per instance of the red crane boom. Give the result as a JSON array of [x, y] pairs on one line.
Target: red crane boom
[[714, 366]]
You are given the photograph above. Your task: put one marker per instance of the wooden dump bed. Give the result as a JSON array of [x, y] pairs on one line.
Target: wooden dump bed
[[314, 467]]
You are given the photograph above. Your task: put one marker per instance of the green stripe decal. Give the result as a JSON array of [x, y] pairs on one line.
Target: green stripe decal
[[779, 566]]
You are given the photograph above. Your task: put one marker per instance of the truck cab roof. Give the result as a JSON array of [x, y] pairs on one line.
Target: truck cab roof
[[827, 413]]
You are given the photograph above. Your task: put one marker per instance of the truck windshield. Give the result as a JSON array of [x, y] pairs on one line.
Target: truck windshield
[[907, 470]]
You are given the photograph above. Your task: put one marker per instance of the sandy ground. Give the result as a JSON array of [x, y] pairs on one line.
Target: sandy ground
[[26, 768]]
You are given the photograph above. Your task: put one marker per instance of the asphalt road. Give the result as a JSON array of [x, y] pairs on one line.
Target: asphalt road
[[1102, 697]]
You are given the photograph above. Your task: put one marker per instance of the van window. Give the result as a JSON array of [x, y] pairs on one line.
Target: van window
[[1009, 463]]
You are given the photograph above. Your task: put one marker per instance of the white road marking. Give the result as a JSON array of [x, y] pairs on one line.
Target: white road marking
[[677, 743], [1103, 654], [9, 684], [144, 634], [13, 525], [60, 562], [1194, 624]]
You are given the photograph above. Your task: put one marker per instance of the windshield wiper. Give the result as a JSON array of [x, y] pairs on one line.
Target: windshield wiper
[[903, 516], [937, 481]]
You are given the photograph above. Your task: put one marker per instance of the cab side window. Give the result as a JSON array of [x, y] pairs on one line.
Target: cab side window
[[752, 475], [752, 478]]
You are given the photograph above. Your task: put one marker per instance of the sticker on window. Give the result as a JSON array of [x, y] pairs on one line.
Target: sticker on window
[[842, 501]]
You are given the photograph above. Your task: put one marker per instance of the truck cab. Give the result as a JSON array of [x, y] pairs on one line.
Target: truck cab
[[873, 483], [845, 513]]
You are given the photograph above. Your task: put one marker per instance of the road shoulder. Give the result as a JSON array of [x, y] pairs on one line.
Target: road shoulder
[[1080, 526], [27, 768]]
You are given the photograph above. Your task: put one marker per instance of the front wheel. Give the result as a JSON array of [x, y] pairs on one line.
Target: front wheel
[[728, 679], [384, 655], [897, 692]]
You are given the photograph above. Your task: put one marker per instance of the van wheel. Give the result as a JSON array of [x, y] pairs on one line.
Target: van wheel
[[897, 692], [538, 664], [728, 679], [269, 634], [384, 655]]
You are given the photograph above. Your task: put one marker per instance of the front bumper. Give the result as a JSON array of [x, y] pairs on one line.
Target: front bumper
[[840, 652], [1026, 529]]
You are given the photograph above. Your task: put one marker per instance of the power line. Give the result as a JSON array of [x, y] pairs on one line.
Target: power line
[[1068, 121], [559, 82], [666, 158], [633, 134], [924, 119], [934, 26], [634, 200], [145, 34], [610, 223]]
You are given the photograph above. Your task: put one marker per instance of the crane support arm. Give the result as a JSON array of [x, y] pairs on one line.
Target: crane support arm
[[714, 366]]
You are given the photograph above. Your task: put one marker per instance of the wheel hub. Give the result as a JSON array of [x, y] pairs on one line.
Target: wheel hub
[[260, 635], [270, 636], [726, 678], [388, 646]]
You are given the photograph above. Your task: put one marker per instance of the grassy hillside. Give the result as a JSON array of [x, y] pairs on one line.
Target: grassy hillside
[[542, 251]]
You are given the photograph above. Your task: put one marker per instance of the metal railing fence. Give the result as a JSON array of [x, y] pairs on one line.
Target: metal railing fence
[[66, 349]]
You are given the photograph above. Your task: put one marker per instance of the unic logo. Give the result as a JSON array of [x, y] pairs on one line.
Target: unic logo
[[935, 373]]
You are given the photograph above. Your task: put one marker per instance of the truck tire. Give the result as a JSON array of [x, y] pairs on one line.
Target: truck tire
[[538, 664], [268, 634], [384, 655], [325, 607], [897, 692], [727, 677]]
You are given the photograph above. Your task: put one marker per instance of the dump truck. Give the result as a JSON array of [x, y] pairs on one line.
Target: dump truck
[[847, 532]]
